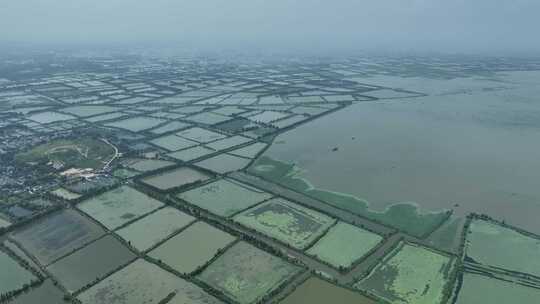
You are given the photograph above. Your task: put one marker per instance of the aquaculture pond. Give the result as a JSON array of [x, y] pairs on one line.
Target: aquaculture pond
[[17, 251], [224, 197], [175, 178], [192, 248], [228, 142], [47, 292], [317, 291], [49, 117], [250, 151], [136, 124], [146, 165], [93, 261], [119, 206], [57, 235], [286, 221], [143, 282], [200, 135], [155, 227], [13, 276], [109, 116], [172, 126], [173, 142], [246, 274], [411, 274], [481, 289], [208, 118], [190, 154], [86, 111], [503, 247], [224, 163], [344, 244]]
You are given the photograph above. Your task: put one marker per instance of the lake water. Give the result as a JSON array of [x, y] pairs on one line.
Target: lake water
[[471, 145]]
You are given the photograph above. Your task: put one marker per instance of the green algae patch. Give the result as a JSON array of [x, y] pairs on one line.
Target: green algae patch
[[403, 216]]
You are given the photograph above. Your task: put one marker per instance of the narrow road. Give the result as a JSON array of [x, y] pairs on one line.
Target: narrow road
[[116, 153]]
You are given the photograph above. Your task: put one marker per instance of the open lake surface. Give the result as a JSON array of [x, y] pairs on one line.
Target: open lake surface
[[471, 145]]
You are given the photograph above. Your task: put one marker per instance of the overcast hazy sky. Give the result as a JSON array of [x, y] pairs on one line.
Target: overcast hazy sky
[[424, 25]]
